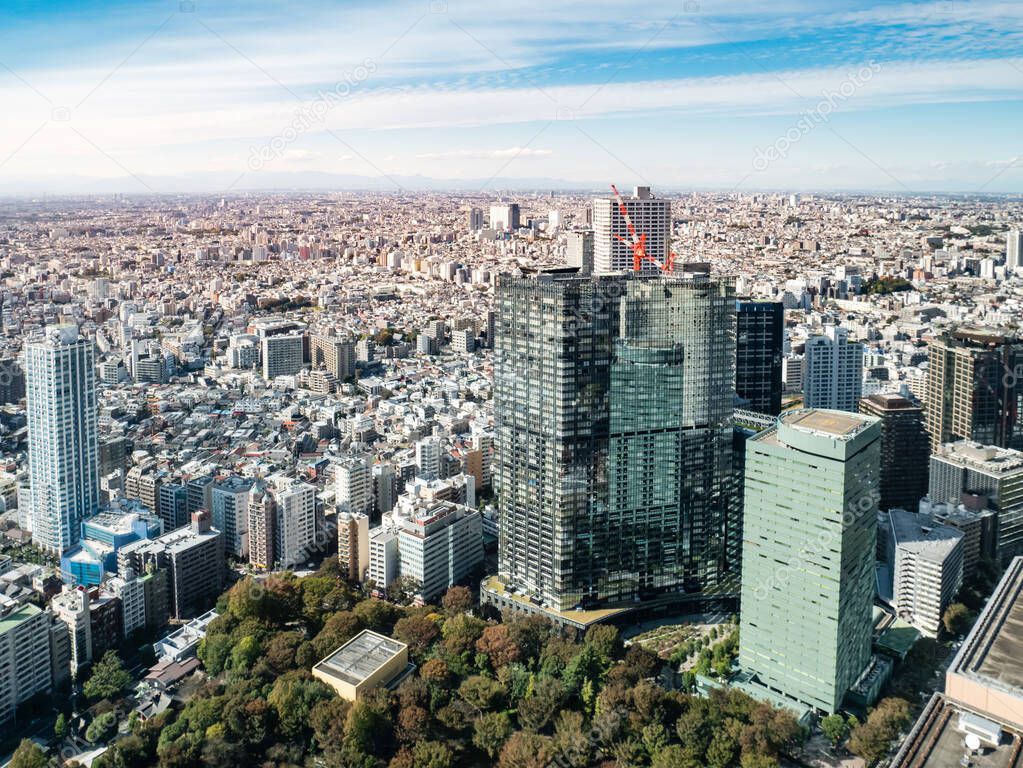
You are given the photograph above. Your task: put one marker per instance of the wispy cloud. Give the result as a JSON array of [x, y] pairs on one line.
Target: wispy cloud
[[487, 154]]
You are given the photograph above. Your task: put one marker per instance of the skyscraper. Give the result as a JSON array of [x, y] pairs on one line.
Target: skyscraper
[[809, 539], [651, 216], [832, 371], [1014, 250], [759, 336], [905, 449], [974, 388], [62, 444], [612, 405]]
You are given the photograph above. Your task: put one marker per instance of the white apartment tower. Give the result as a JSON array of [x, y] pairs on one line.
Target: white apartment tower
[[833, 371], [62, 444], [650, 216], [295, 527], [72, 608], [1014, 251], [353, 485]]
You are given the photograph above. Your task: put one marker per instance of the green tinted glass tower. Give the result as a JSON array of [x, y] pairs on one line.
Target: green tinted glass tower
[[809, 537], [612, 407]]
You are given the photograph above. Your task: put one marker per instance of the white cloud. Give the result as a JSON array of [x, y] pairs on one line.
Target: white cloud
[[488, 154]]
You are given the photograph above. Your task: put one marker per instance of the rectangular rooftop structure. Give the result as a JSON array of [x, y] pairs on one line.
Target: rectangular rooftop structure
[[986, 675], [369, 660]]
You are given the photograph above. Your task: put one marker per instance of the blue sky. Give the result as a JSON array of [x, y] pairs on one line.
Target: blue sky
[[795, 94]]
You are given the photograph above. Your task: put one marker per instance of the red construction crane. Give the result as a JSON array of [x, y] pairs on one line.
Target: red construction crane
[[638, 241]]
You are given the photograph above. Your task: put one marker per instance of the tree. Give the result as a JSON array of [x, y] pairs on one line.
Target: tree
[[431, 754], [835, 728], [457, 599], [418, 633], [481, 692], [293, 696], [526, 750], [108, 679], [28, 755], [605, 639], [957, 619], [491, 731], [496, 642], [461, 633], [871, 739], [60, 726]]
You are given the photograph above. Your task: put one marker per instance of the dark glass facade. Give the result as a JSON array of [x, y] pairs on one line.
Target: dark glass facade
[[759, 335], [612, 407]]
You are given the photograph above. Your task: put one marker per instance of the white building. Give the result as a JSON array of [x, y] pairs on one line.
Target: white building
[[132, 593], [353, 485], [383, 557], [230, 513], [504, 216], [72, 608], [440, 544], [62, 439], [295, 527], [282, 355], [1014, 250], [650, 216], [428, 457], [928, 569], [833, 371], [25, 657]]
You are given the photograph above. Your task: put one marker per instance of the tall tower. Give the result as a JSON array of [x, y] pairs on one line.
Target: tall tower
[[833, 371], [612, 406], [1014, 251], [759, 336], [905, 449], [62, 436], [974, 388], [650, 215], [809, 538]]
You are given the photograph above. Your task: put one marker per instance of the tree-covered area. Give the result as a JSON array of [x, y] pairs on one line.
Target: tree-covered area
[[885, 285], [513, 693]]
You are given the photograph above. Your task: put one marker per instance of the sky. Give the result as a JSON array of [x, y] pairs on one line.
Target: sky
[[221, 96]]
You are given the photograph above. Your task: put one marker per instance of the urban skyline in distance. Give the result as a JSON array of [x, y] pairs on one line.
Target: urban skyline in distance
[[189, 96]]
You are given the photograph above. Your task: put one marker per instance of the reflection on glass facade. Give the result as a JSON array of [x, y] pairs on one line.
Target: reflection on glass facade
[[613, 400], [759, 335]]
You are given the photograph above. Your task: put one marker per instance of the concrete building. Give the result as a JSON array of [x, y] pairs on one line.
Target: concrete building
[[367, 661], [983, 476], [579, 251], [808, 556], [927, 566], [353, 544], [295, 526], [505, 216], [979, 527], [282, 355], [25, 655], [905, 449], [832, 371], [333, 354], [131, 593], [71, 607], [230, 514], [353, 485], [62, 436], [1014, 251], [650, 216], [262, 519], [439, 544], [383, 557], [429, 452]]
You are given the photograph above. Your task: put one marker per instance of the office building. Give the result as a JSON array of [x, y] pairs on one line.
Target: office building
[[199, 493], [650, 216], [832, 371], [983, 476], [979, 528], [905, 449], [25, 655], [974, 391], [1014, 251], [759, 339], [612, 405], [230, 514], [193, 559], [809, 541], [579, 251], [439, 544], [62, 442], [504, 216], [173, 505], [353, 544], [282, 355], [475, 219], [927, 568]]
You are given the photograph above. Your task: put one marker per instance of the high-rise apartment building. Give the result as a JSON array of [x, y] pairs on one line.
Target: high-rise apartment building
[[429, 452], [333, 354], [612, 404], [62, 442], [71, 607], [905, 449], [832, 371], [25, 656], [579, 251], [974, 390], [759, 339], [504, 216], [230, 514], [439, 544], [809, 540], [282, 355], [984, 476], [353, 485], [650, 216], [353, 544], [295, 526], [1014, 250], [262, 519]]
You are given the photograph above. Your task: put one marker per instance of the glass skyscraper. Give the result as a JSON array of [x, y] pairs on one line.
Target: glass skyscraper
[[759, 336], [62, 442], [612, 405]]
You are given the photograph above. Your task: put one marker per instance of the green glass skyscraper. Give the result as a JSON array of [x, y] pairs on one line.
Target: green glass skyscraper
[[612, 407], [809, 537]]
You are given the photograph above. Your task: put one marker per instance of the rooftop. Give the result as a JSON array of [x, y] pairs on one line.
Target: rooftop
[[831, 423], [989, 458], [360, 657]]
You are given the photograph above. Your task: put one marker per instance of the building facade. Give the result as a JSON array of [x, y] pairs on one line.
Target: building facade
[[905, 449], [650, 216], [759, 340], [833, 371]]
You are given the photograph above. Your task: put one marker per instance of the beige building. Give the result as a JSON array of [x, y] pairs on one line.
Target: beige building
[[367, 661]]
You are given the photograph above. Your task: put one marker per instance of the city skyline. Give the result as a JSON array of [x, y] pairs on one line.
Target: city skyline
[[220, 97]]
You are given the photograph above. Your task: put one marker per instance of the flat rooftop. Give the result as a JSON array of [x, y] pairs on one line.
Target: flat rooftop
[[360, 657], [828, 422], [993, 651], [936, 742]]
